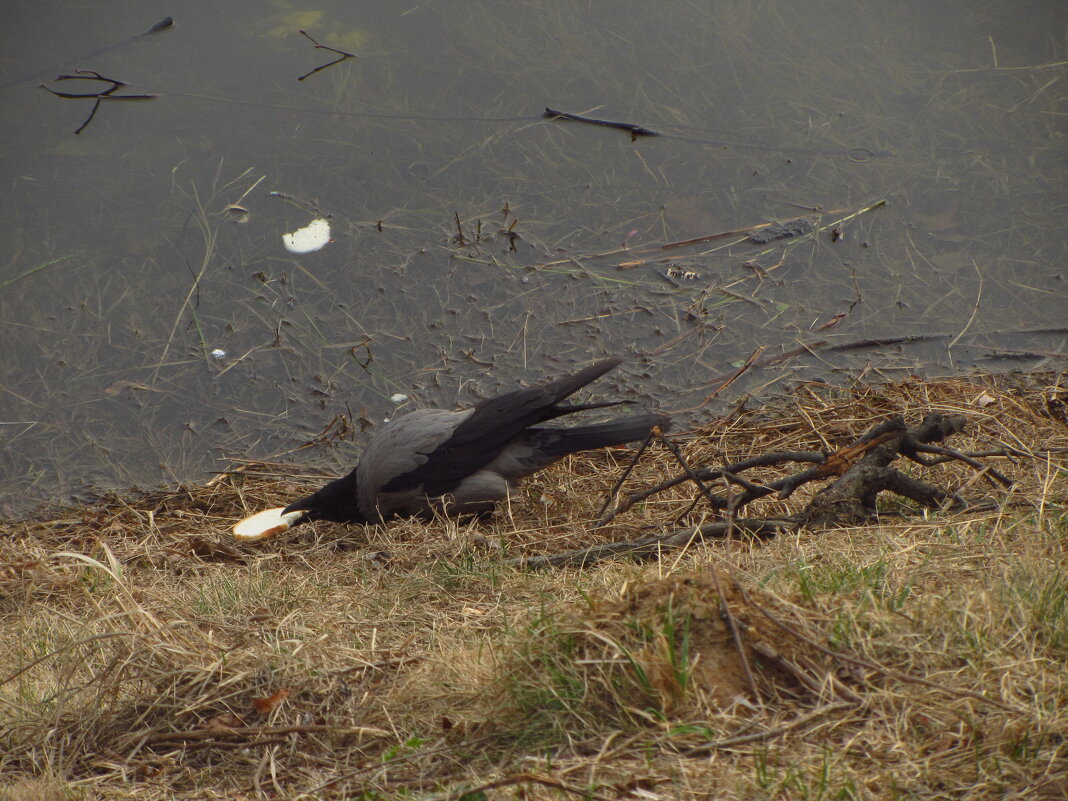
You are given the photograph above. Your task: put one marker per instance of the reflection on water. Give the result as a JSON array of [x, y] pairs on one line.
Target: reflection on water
[[155, 325]]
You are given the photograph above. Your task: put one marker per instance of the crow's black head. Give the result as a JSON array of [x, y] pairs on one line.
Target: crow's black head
[[336, 502]]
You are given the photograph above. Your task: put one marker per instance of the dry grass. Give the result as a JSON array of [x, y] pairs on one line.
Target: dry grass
[[146, 655]]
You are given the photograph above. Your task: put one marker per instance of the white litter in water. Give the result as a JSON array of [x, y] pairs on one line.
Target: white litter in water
[[305, 240], [218, 353], [398, 398]]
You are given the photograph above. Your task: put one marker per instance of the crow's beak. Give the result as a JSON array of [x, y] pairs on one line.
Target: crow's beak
[[308, 507]]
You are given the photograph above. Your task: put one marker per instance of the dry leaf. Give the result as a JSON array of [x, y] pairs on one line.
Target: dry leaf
[[266, 705]]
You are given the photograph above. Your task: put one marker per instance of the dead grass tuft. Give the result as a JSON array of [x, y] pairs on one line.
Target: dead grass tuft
[[148, 655], [658, 651]]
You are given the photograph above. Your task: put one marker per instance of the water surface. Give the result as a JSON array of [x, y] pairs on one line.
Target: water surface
[[477, 243]]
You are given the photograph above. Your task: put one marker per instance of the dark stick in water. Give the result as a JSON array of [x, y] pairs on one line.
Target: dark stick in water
[[98, 94], [635, 130], [164, 23], [341, 56]]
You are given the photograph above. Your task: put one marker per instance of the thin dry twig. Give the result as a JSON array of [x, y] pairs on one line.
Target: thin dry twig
[[767, 734], [736, 637], [885, 671], [521, 778]]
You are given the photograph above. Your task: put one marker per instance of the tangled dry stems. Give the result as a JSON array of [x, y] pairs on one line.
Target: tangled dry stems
[[150, 656]]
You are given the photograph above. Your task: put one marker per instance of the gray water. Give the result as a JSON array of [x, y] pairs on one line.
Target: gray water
[[144, 247]]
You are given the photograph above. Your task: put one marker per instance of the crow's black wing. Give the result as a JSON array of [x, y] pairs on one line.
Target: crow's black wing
[[491, 425]]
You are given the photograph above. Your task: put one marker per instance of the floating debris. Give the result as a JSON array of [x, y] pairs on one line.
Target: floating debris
[[679, 272], [97, 95], [676, 273], [236, 213], [635, 130], [311, 238], [398, 398], [218, 353], [797, 227]]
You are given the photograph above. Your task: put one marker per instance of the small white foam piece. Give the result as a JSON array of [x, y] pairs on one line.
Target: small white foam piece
[[312, 237], [398, 398], [264, 524], [218, 353]]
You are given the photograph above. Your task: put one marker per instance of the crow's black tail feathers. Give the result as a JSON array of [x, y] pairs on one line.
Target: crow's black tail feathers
[[560, 409], [570, 384], [556, 443]]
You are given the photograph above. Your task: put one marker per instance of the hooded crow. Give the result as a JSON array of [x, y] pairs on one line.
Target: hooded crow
[[460, 461]]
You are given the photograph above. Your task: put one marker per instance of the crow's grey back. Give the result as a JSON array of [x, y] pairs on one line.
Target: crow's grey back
[[401, 446]]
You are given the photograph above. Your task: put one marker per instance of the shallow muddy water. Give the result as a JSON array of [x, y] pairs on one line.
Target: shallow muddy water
[[156, 326]]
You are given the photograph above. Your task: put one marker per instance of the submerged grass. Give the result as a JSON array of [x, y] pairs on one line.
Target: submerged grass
[[146, 655]]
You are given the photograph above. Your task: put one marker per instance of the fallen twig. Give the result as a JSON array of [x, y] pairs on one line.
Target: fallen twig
[[99, 95], [342, 56], [743, 739], [627, 470], [635, 130], [885, 671], [708, 474], [479, 790], [650, 547], [221, 733], [861, 471], [690, 474]]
